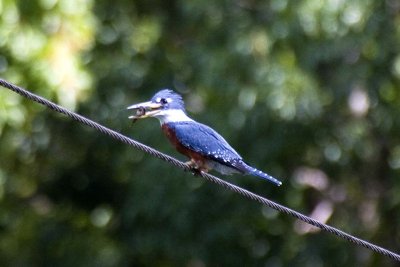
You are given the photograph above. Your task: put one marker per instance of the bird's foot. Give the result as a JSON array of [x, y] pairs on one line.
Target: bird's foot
[[194, 168]]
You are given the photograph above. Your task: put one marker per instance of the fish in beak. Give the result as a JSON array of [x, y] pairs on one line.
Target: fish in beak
[[144, 110]]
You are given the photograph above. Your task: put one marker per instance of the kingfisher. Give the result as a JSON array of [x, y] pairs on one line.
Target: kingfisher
[[206, 149]]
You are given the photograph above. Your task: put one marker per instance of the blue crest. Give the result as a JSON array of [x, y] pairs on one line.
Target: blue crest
[[170, 99]]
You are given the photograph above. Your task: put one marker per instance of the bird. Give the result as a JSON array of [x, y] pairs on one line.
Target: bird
[[206, 149]]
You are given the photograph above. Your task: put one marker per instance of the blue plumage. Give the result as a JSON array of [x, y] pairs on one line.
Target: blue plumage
[[212, 146], [206, 148], [170, 99], [204, 140]]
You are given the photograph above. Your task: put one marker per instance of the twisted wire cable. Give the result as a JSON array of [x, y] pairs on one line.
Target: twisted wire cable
[[208, 177]]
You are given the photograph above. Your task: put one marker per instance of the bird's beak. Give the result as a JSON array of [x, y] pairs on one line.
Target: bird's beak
[[144, 110]]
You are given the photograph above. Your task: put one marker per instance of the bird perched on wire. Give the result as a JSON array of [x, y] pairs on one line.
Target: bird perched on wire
[[205, 147]]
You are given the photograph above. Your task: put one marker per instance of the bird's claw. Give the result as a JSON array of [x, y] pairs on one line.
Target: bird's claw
[[193, 168]]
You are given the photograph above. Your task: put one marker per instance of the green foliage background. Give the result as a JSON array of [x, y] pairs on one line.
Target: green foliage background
[[306, 90]]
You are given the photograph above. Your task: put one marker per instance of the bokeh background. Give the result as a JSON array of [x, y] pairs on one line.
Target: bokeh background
[[305, 90]]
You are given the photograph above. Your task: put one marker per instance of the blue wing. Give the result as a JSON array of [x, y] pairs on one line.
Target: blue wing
[[205, 141], [208, 143]]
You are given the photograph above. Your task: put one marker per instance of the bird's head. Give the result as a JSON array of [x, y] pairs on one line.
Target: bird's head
[[166, 105]]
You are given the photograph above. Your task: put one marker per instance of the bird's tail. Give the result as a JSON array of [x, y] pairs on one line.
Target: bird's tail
[[253, 171]]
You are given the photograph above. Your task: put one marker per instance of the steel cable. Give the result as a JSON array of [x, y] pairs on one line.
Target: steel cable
[[208, 177]]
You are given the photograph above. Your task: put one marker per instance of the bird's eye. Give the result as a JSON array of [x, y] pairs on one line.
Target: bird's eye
[[163, 101]]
